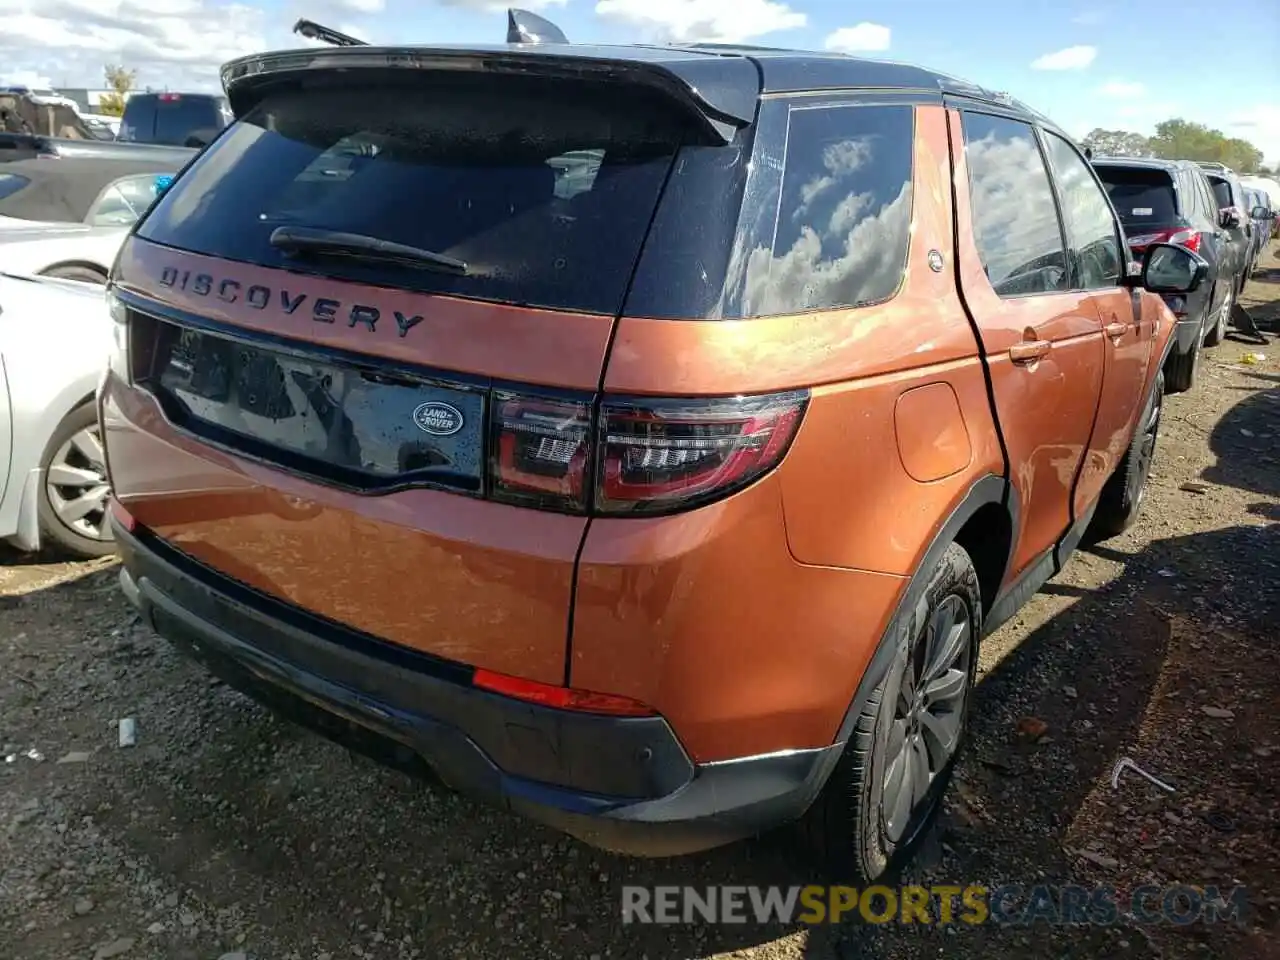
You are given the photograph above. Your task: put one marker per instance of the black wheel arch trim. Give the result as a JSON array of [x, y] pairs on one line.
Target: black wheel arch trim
[[987, 490]]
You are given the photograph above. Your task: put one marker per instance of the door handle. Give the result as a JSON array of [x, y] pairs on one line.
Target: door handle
[[1116, 329], [1029, 351]]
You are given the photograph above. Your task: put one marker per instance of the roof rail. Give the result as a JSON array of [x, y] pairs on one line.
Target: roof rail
[[526, 27], [318, 31]]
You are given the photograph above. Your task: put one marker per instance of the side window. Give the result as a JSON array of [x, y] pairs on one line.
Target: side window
[[844, 221], [1015, 220], [1207, 202], [122, 203], [1091, 226]]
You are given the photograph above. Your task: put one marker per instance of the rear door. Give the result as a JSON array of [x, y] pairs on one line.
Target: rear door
[[1042, 340], [1096, 268], [395, 445]]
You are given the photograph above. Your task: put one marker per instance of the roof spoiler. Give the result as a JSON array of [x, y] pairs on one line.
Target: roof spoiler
[[318, 31], [526, 27]]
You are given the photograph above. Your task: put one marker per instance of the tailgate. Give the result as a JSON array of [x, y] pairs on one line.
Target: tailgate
[[384, 440]]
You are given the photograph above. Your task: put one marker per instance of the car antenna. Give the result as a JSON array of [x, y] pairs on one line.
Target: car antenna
[[526, 27], [318, 31]]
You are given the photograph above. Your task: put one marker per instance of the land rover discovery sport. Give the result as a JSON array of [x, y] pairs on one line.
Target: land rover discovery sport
[[641, 438]]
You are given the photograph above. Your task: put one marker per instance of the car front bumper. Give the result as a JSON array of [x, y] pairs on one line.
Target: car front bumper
[[620, 783]]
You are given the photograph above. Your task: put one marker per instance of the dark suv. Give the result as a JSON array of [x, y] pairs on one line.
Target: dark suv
[[174, 119], [1234, 211], [643, 438], [1170, 201]]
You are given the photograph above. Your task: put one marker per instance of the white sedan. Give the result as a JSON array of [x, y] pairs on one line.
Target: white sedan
[[55, 338]]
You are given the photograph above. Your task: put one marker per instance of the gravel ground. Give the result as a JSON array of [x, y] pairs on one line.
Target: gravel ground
[[225, 833]]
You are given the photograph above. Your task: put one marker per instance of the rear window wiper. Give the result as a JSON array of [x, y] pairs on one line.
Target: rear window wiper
[[319, 242]]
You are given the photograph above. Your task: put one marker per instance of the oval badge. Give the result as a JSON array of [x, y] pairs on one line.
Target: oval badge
[[438, 419]]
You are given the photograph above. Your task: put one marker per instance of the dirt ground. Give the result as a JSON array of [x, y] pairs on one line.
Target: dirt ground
[[226, 833]]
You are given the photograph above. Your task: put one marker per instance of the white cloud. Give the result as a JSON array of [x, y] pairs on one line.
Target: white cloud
[[25, 78], [684, 21], [1122, 89], [357, 6], [1070, 58], [1260, 125], [178, 43], [501, 6], [861, 37]]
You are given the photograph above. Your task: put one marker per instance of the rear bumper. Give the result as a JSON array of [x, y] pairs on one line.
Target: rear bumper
[[623, 784], [1186, 333]]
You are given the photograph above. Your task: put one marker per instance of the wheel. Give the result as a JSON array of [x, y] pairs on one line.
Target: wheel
[[73, 493], [885, 789], [1219, 329], [1180, 369], [1122, 496], [72, 272]]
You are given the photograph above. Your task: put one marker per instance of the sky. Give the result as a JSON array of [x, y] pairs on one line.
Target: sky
[[1117, 64]]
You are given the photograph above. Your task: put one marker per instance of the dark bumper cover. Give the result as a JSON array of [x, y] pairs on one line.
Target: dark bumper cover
[[623, 784]]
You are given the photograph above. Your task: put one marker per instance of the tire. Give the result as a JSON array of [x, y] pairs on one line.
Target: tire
[[69, 456], [1219, 328], [73, 272], [1123, 495], [848, 826], [1180, 369]]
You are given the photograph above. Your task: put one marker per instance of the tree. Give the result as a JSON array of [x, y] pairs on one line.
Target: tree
[[1184, 140], [121, 82], [1117, 143]]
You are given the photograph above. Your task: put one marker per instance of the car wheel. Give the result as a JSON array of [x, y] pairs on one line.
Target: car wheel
[[1180, 370], [1219, 330], [71, 272], [886, 788], [74, 488], [1123, 494]]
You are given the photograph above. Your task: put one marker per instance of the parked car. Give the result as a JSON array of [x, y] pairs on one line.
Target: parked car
[[54, 337], [68, 219], [1234, 208], [28, 146], [663, 506], [1262, 215], [174, 119], [1170, 201]]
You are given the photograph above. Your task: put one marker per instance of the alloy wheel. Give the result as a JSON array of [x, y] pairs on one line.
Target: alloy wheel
[[76, 485], [928, 714]]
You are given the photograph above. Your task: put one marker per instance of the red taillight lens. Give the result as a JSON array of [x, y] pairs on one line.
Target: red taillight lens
[[1187, 238], [170, 97], [562, 698], [658, 455], [540, 451]]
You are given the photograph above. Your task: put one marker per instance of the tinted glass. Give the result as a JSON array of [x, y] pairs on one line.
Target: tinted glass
[[845, 216], [1208, 201], [1091, 226], [1142, 198], [11, 183], [543, 188], [181, 120], [1015, 219], [1221, 191]]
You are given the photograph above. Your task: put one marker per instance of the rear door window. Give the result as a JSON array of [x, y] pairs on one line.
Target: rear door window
[[1015, 218], [1091, 226], [542, 188], [1143, 197], [1221, 191], [844, 222]]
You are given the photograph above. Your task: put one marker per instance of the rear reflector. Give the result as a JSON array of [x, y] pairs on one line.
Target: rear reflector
[[561, 698], [122, 516]]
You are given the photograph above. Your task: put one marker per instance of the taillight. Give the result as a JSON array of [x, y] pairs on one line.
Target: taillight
[[1187, 238], [119, 362], [660, 455], [169, 97], [540, 448]]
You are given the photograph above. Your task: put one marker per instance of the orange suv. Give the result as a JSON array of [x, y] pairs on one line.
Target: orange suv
[[640, 438]]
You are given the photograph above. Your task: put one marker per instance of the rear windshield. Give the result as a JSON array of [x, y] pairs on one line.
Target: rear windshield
[[543, 188], [1221, 191], [173, 119], [1141, 197]]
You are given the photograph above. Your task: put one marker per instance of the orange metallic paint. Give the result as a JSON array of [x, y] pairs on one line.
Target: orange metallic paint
[[476, 582], [700, 614], [1046, 406], [932, 440], [564, 350]]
